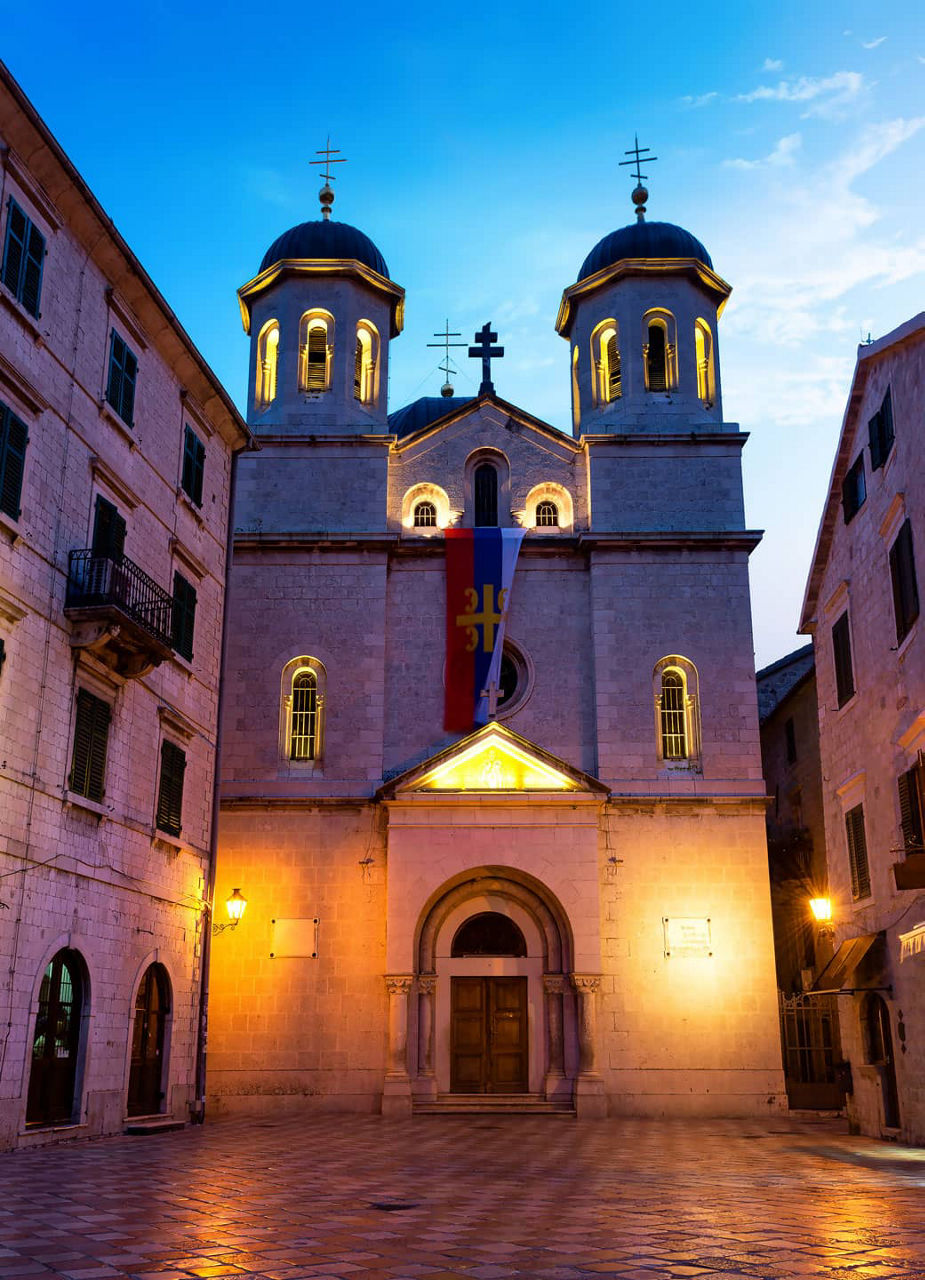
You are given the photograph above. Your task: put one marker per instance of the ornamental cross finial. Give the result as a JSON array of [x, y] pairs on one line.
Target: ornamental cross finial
[[447, 366], [327, 195], [484, 337], [640, 194]]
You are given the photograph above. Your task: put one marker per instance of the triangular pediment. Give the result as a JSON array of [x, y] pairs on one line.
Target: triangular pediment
[[492, 761], [492, 412]]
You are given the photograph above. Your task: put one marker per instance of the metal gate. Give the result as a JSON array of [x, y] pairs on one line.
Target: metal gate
[[811, 1048]]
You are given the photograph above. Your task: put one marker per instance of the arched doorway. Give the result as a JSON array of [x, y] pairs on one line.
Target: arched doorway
[[146, 1075], [488, 1013], [56, 1042], [879, 1053]]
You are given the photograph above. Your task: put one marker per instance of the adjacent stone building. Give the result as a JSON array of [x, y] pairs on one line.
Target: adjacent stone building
[[862, 608], [116, 444], [568, 906]]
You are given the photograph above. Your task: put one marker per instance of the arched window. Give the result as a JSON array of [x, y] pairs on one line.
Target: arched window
[[425, 515], [364, 363], [547, 515], [56, 1042], [146, 1075], [606, 363], [486, 495], [303, 716], [488, 934], [660, 351], [316, 344], [267, 358], [677, 712], [703, 351], [576, 393]]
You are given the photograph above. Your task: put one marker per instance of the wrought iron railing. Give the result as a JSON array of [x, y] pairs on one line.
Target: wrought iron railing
[[96, 581]]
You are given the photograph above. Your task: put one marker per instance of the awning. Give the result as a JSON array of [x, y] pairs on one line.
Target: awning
[[837, 974]]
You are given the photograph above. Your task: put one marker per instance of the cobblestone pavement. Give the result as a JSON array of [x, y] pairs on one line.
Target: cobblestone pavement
[[454, 1197]]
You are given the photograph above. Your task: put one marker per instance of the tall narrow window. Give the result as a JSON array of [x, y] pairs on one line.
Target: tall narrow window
[[605, 363], [123, 370], [316, 358], [703, 354], [108, 530], [485, 483], [790, 738], [13, 440], [267, 359], [657, 357], [880, 432], [194, 462], [857, 852], [909, 785], [23, 258], [674, 717], [364, 371], [854, 489], [91, 736], [844, 671], [170, 789], [184, 616], [905, 587], [303, 725]]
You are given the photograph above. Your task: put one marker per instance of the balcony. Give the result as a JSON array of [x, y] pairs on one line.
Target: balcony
[[120, 614], [910, 873]]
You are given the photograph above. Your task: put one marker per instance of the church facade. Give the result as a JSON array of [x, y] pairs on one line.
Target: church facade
[[563, 903]]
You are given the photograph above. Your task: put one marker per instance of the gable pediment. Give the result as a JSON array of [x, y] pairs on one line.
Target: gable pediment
[[500, 419], [494, 760]]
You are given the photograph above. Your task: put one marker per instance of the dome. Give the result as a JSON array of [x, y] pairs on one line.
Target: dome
[[644, 240], [325, 239]]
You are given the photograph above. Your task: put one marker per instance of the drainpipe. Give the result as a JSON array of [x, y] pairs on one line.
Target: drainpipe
[[198, 1108]]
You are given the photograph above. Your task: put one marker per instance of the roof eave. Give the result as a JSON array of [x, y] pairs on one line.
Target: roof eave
[[639, 266], [328, 267]]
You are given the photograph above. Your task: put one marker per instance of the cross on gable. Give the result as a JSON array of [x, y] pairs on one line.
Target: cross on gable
[[484, 337]]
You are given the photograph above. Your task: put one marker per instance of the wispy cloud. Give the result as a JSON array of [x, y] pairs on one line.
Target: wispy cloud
[[699, 100], [872, 44], [783, 154], [826, 94], [269, 185], [772, 64]]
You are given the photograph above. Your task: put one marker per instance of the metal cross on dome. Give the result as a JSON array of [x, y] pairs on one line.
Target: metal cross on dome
[[444, 342], [484, 337], [638, 154], [327, 195]]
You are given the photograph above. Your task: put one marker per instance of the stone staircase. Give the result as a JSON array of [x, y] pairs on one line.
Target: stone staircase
[[492, 1104]]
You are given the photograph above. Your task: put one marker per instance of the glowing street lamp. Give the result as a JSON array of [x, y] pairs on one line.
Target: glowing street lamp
[[821, 909], [235, 906]]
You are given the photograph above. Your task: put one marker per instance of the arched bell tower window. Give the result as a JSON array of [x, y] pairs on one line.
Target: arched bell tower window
[[660, 351], [677, 712], [425, 515], [485, 485], [606, 363], [316, 346], [703, 351], [365, 361], [267, 359]]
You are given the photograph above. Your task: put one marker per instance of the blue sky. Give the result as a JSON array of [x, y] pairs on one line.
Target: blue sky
[[483, 152]]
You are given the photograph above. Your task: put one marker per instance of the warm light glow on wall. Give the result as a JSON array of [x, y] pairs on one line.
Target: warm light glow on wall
[[821, 908], [494, 764]]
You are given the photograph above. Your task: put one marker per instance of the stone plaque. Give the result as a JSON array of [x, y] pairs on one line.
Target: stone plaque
[[293, 937], [687, 937]]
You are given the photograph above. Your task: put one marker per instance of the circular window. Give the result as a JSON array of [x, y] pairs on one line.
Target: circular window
[[515, 682]]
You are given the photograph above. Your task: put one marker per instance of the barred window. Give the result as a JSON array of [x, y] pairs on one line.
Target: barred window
[[674, 717], [425, 515], [547, 515], [676, 686], [303, 720]]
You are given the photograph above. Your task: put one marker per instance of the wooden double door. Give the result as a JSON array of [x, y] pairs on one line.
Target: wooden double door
[[488, 1035]]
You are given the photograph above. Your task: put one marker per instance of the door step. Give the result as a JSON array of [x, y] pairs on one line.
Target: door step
[[156, 1124], [492, 1104]]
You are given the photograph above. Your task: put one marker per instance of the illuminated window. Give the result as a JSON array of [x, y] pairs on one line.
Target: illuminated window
[[267, 357], [486, 495], [659, 351], [302, 711], [576, 394], [703, 351], [547, 515], [605, 360], [425, 515], [316, 344], [364, 363], [677, 711]]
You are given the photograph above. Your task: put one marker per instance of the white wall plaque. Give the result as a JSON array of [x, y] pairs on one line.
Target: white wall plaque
[[687, 937], [294, 937]]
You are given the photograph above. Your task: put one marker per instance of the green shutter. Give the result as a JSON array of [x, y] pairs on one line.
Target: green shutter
[[857, 852], [108, 530], [910, 810], [116, 360], [91, 735], [31, 282], [184, 616], [13, 440], [129, 372], [194, 458], [841, 646], [905, 586], [14, 248], [170, 790]]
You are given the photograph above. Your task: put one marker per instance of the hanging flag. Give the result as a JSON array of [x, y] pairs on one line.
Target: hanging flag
[[479, 569]]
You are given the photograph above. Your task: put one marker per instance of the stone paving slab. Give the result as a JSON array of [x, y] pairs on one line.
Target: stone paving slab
[[333, 1197]]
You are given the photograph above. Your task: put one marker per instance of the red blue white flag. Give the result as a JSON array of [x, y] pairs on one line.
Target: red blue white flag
[[480, 567]]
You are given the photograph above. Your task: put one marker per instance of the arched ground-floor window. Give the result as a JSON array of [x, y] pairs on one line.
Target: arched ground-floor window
[[56, 1042], [147, 1071]]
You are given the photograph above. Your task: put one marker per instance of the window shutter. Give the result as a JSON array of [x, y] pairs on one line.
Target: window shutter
[[317, 357], [844, 674], [108, 530], [358, 371], [194, 456], [184, 616], [13, 440], [129, 371], [170, 790], [613, 368], [32, 271], [905, 586], [910, 810], [657, 359], [116, 360], [14, 249], [886, 425], [91, 733], [857, 852]]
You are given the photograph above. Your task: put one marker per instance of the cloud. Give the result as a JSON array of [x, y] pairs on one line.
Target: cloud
[[772, 64], [872, 44], [269, 185], [783, 154], [828, 94], [699, 100]]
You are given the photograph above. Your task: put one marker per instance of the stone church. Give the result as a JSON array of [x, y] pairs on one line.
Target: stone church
[[537, 882]]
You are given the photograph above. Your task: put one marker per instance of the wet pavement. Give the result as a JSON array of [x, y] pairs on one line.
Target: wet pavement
[[362, 1197]]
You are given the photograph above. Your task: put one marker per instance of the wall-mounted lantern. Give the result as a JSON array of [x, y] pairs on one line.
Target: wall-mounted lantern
[[235, 906]]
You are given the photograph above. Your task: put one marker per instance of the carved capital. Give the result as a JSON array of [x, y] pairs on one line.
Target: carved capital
[[398, 984], [555, 984], [427, 983], [586, 983]]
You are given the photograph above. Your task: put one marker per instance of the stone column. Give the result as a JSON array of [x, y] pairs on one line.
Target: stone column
[[554, 985], [396, 1091], [427, 994], [590, 1100]]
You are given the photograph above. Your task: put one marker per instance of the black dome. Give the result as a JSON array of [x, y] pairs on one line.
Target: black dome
[[644, 240], [325, 239]]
